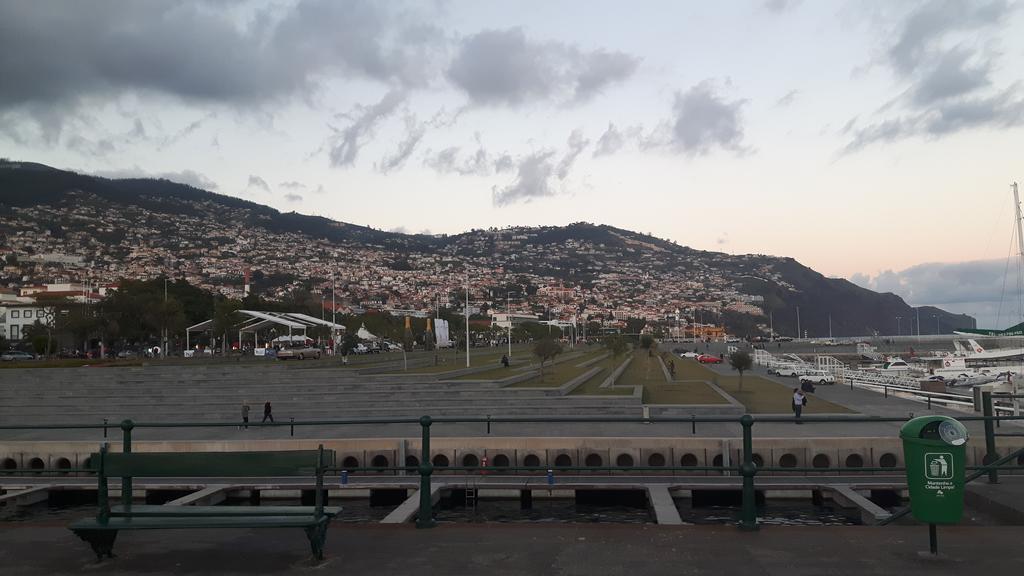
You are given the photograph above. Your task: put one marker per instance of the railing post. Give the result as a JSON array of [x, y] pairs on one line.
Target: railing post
[[126, 447], [293, 426], [425, 518], [748, 520], [990, 437], [104, 427]]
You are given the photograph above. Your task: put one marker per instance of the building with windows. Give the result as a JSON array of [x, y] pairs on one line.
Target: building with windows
[[16, 316], [506, 320]]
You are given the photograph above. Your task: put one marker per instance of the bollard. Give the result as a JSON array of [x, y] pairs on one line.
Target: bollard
[[344, 477], [551, 477], [886, 389], [126, 447], [748, 520], [293, 426], [929, 402], [488, 423], [693, 424], [990, 437], [425, 518], [104, 427]]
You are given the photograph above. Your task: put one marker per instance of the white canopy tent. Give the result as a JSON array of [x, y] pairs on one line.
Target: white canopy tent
[[253, 321]]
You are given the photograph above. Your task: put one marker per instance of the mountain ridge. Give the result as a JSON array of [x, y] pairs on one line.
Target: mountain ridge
[[607, 268]]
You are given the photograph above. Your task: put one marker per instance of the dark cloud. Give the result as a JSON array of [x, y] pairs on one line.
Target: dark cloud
[[69, 52], [576, 144], [345, 143], [189, 177], [504, 67], [949, 84], [704, 120], [414, 134], [257, 182], [532, 180], [538, 175], [982, 288], [479, 163], [613, 139], [293, 197]]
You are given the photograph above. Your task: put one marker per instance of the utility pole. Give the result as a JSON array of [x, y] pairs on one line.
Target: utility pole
[[163, 349], [334, 320], [467, 320], [508, 318], [829, 326]]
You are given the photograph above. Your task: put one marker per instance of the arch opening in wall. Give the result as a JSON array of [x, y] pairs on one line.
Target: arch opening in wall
[[787, 461], [350, 462], [563, 461], [380, 462], [624, 460], [854, 461], [821, 461], [470, 461], [440, 461], [594, 460], [757, 459], [412, 461], [10, 464], [656, 459], [501, 461], [717, 460], [531, 461], [688, 460], [36, 464], [63, 464], [887, 460]]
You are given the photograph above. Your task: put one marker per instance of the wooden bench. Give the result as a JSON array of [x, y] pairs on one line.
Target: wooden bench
[[101, 531]]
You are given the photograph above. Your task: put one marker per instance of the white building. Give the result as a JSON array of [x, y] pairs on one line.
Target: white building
[[16, 316], [506, 320]]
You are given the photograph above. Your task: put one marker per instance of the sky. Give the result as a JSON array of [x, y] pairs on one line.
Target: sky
[[870, 140]]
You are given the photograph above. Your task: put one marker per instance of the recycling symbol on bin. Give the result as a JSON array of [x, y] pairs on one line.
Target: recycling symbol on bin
[[938, 466]]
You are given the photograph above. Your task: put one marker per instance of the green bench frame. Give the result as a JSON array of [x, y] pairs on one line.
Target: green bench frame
[[101, 531]]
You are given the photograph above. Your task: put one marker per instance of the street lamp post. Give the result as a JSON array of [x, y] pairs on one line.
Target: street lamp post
[[508, 318], [798, 322], [899, 331]]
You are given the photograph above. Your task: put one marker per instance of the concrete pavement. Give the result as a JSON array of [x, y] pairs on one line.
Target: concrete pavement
[[516, 549]]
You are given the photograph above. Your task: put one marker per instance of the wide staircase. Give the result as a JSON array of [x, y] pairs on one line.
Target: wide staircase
[[215, 392]]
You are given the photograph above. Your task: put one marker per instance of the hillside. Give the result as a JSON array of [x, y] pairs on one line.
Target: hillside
[[62, 225]]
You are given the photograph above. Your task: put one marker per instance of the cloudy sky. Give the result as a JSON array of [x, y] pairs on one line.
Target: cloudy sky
[[872, 140]]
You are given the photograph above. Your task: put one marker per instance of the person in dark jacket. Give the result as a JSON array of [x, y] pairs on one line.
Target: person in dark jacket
[[267, 412], [245, 415]]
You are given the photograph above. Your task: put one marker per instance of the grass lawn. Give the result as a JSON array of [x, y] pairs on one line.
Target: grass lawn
[[759, 395], [646, 370], [557, 374], [592, 387]]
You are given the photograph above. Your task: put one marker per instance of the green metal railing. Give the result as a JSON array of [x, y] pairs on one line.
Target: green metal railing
[[747, 468]]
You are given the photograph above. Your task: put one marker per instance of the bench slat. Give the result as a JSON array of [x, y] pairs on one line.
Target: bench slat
[[210, 464], [149, 510], [199, 523]]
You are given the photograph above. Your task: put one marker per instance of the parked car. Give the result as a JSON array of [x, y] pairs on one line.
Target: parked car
[[709, 359], [16, 356], [817, 377], [690, 355], [298, 352]]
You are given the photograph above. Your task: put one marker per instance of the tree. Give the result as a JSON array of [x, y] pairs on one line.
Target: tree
[[646, 341], [616, 345], [546, 349], [741, 360], [224, 319]]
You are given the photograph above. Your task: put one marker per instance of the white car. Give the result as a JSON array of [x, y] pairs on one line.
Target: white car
[[299, 352], [817, 377], [689, 354], [788, 371]]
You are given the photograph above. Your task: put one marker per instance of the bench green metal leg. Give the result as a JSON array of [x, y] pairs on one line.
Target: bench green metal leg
[[317, 538], [102, 541]]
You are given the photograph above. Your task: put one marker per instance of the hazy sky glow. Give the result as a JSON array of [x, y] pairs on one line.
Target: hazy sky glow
[[857, 137]]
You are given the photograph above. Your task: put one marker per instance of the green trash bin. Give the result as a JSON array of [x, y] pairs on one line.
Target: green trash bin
[[934, 450]]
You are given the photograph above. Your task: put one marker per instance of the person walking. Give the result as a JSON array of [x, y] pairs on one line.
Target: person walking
[[504, 360], [267, 412], [799, 401], [245, 415]]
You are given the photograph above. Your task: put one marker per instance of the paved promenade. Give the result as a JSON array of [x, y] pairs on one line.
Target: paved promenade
[[501, 549]]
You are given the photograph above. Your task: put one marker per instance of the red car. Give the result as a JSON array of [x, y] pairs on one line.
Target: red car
[[709, 359]]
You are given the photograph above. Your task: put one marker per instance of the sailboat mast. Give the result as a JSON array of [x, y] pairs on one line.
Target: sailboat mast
[[1020, 237]]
